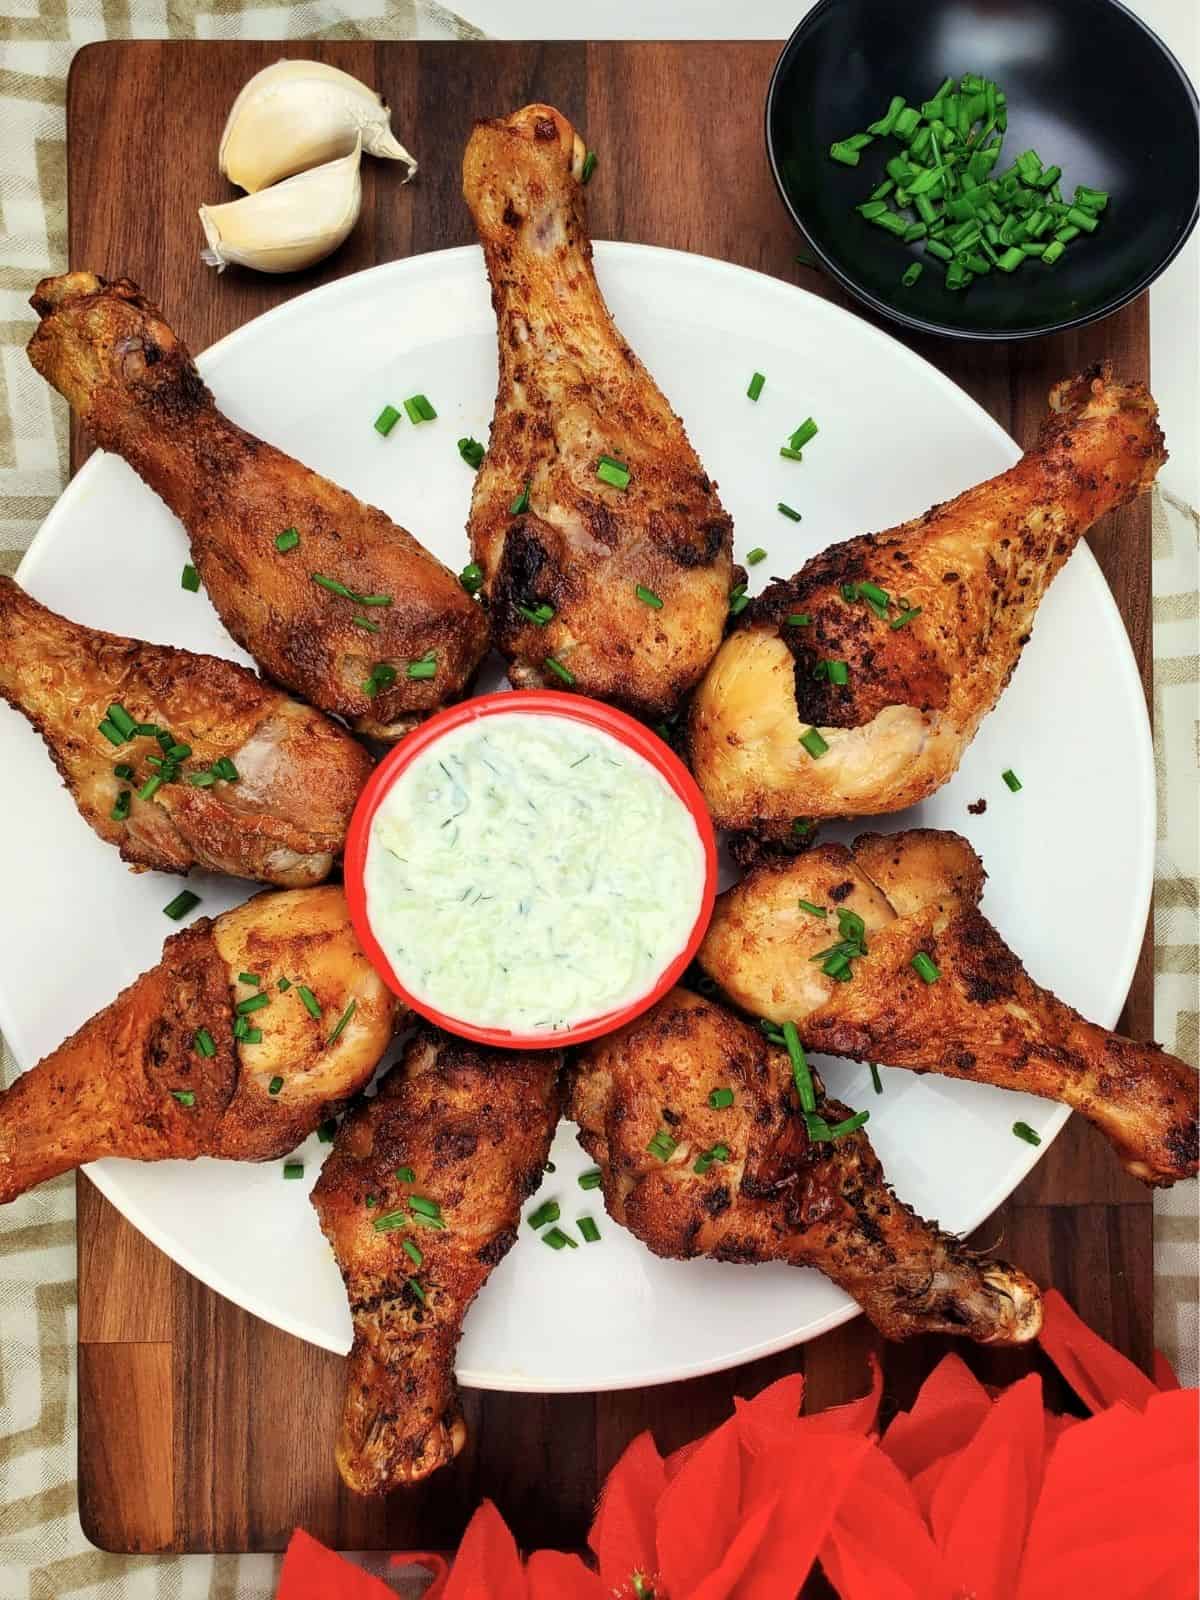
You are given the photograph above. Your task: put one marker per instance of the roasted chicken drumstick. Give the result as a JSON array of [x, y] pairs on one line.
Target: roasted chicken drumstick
[[590, 498], [420, 1198], [982, 1018], [925, 624], [182, 1063], [289, 560], [276, 809], [746, 1182]]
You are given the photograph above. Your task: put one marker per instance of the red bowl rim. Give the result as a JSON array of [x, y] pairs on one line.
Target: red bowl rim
[[544, 702]]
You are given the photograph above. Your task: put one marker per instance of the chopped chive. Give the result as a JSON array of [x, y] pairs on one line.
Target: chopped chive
[[588, 1229], [559, 670], [284, 984], [905, 617], [275, 1085], [753, 557], [332, 585], [253, 1002], [843, 152], [662, 1145], [471, 577], [249, 977], [405, 1175], [120, 810], [876, 1080], [799, 619], [341, 1022], [240, 1027], [813, 911], [372, 599], [388, 1221], [293, 1169], [803, 826], [287, 540], [589, 166], [183, 902], [311, 1004], [613, 472], [548, 1211], [813, 743], [123, 770], [1011, 779], [202, 1043], [187, 1097], [250, 1035], [756, 386], [801, 1074], [200, 780], [472, 452], [413, 1251], [804, 433], [386, 420], [111, 732], [366, 624], [327, 1131], [224, 768], [383, 675], [179, 752], [820, 1130], [788, 511], [425, 1207], [424, 667], [422, 1220], [122, 721], [910, 274], [1024, 1131], [648, 597], [414, 1287], [148, 730], [789, 454], [738, 599], [719, 1152], [521, 502], [539, 615], [556, 1239], [189, 579], [719, 1099], [837, 672], [419, 409], [591, 1179], [925, 967]]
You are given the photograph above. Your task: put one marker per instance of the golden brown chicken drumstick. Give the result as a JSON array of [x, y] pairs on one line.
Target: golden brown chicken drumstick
[[925, 624], [194, 1060], [603, 543], [260, 786], [747, 1182], [420, 1198], [329, 596], [981, 1017]]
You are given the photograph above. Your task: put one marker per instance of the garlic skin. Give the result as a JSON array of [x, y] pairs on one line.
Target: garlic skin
[[295, 115], [292, 224]]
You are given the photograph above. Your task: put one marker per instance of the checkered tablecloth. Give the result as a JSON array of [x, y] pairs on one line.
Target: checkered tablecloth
[[43, 1554]]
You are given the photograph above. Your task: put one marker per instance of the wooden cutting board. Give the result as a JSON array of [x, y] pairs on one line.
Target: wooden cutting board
[[200, 1427]]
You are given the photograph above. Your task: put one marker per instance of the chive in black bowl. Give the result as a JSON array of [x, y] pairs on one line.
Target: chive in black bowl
[[1088, 86]]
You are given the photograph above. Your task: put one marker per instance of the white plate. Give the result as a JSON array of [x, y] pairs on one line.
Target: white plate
[[1070, 857]]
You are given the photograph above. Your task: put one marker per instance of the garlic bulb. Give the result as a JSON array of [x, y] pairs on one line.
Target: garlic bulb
[[290, 225], [300, 114]]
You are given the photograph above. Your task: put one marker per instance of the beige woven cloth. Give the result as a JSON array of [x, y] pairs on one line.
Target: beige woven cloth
[[43, 1554]]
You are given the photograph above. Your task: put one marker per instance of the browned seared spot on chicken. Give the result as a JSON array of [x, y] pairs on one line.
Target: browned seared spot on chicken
[[134, 386], [564, 552], [967, 577], [159, 1074], [282, 819], [983, 1019], [456, 1138], [772, 1193]]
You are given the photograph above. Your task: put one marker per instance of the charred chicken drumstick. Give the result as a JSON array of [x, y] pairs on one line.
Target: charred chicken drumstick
[[292, 604], [420, 1198], [590, 498], [928, 620], [748, 1183], [162, 1073], [982, 1018], [280, 815]]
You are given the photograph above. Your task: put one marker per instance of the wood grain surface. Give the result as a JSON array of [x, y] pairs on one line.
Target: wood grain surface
[[200, 1427]]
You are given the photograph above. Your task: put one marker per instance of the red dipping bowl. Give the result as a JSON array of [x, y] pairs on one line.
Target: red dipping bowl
[[536, 702]]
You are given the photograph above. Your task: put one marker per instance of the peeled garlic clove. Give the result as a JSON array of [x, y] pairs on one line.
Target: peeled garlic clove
[[300, 114], [290, 225]]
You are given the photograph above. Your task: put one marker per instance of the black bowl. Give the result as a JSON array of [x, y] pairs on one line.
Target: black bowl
[[1089, 86]]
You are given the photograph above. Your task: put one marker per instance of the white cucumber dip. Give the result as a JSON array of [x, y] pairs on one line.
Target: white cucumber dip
[[530, 872]]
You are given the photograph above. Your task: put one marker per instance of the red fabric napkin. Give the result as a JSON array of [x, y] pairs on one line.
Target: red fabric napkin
[[968, 1496]]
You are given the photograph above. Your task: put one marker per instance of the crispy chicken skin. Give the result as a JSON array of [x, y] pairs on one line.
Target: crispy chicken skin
[[975, 570], [475, 1126], [112, 1088], [131, 381], [282, 821], [984, 1019], [571, 390], [778, 1196]]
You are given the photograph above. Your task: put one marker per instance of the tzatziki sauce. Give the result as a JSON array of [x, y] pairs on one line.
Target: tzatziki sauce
[[530, 872]]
